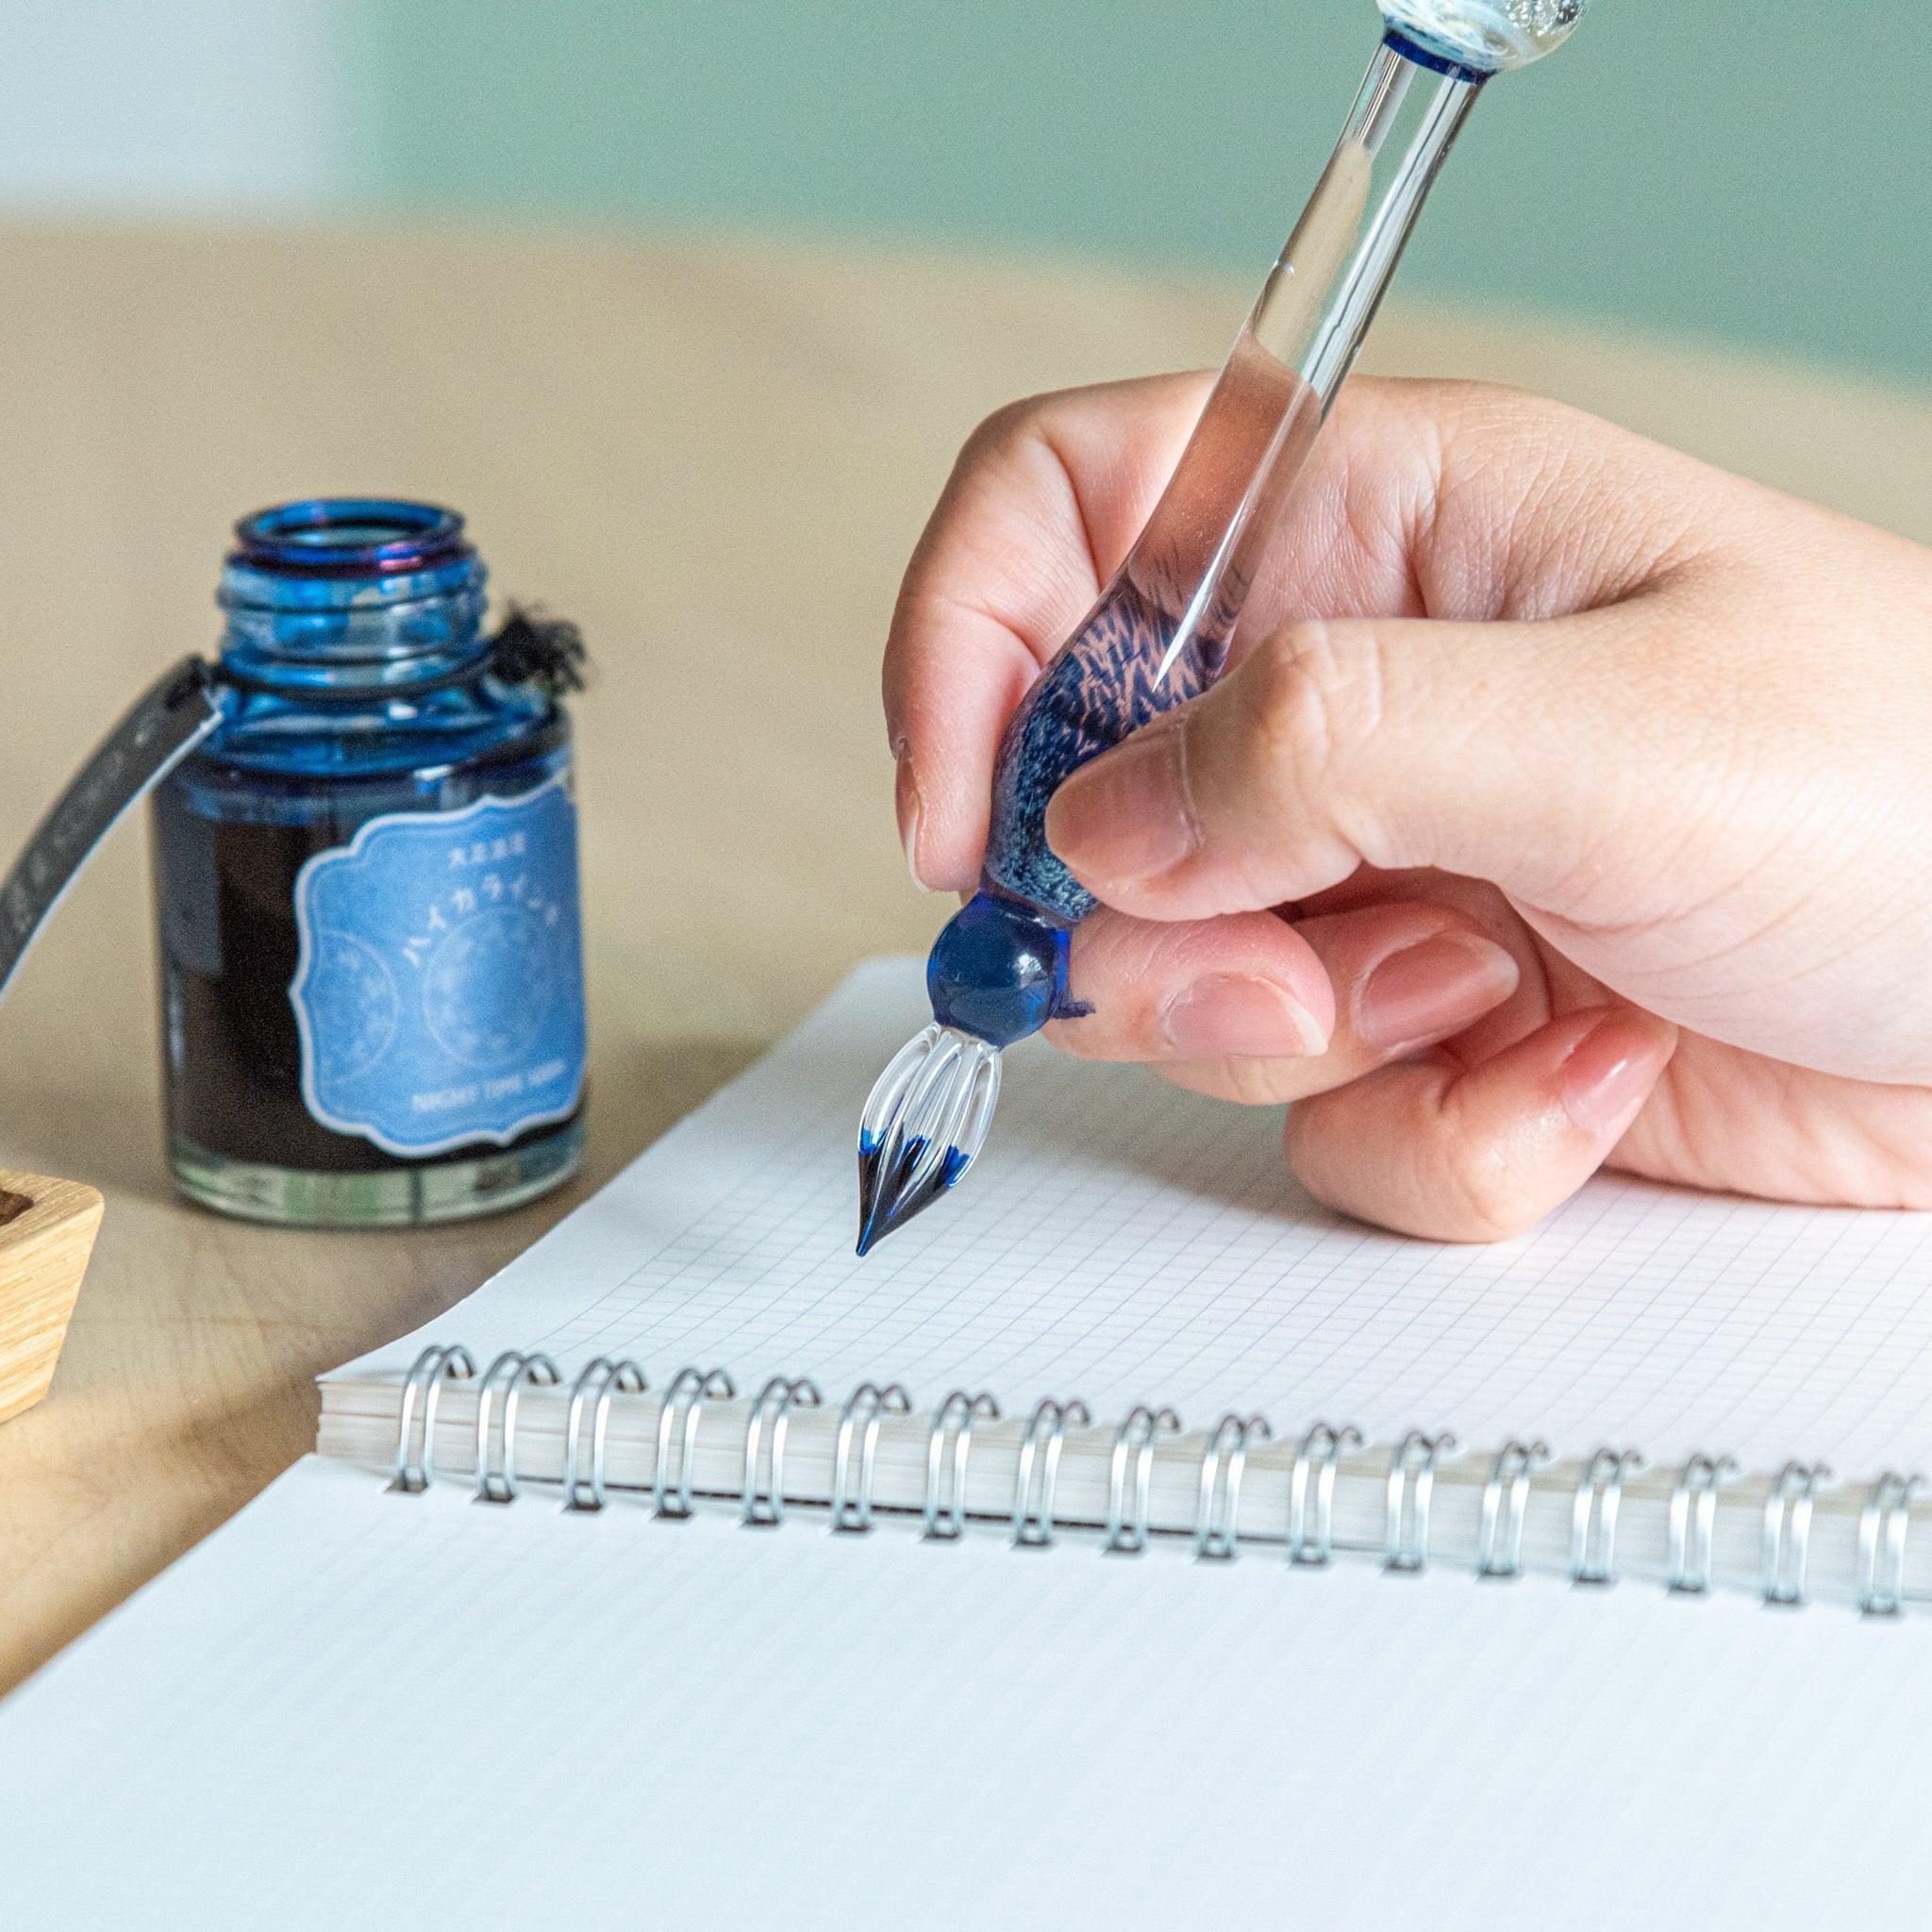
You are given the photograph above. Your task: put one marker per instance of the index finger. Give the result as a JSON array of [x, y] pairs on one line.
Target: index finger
[[1042, 507]]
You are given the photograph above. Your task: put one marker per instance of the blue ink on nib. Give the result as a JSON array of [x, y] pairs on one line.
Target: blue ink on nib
[[889, 1199]]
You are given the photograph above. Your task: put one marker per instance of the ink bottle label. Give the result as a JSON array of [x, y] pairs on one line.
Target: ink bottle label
[[439, 986]]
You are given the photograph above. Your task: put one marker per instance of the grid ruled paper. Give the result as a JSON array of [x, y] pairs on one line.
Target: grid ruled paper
[[1123, 1242], [351, 1708]]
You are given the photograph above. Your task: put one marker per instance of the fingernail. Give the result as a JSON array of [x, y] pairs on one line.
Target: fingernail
[[1233, 1012], [1431, 988], [1123, 818], [906, 801], [1610, 1070]]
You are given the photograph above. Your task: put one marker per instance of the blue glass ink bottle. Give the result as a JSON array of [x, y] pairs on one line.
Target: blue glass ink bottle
[[366, 887]]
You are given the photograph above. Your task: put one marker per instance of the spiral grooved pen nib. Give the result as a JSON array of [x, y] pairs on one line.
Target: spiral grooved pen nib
[[924, 1122]]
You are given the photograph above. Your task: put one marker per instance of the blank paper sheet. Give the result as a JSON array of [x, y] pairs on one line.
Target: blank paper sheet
[[353, 1708]]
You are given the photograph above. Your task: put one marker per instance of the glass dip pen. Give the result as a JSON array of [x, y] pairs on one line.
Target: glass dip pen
[[1161, 632]]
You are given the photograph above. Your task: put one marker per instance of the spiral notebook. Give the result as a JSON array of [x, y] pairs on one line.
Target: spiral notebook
[[1127, 1537]]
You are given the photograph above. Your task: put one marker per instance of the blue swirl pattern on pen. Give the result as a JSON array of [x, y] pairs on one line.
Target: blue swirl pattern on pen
[[1109, 680]]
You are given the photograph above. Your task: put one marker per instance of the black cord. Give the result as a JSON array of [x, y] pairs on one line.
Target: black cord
[[531, 648]]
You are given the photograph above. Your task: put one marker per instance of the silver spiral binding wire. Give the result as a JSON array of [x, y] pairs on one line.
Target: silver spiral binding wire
[[496, 1448], [1694, 1521], [1787, 1529], [1315, 1458], [764, 1496], [415, 1459], [1883, 1526], [1506, 1500], [868, 1407], [1133, 1443], [684, 1402], [1593, 1516], [596, 1383], [1412, 1487], [948, 1443], [1046, 1435], [1224, 1462]]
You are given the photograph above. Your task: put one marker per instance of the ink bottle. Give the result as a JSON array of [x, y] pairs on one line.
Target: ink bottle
[[366, 886]]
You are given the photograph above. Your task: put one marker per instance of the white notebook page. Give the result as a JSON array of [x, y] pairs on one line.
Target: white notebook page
[[352, 1708], [1123, 1242]]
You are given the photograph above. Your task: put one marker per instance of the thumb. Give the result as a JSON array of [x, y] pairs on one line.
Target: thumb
[[1505, 751]]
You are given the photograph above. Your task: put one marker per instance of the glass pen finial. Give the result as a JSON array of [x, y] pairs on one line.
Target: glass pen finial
[[1492, 36]]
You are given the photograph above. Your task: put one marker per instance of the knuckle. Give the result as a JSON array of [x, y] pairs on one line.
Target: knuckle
[[1009, 427], [1301, 1142], [1481, 1197], [1484, 422], [1316, 693], [1315, 696], [1436, 1187], [1540, 507], [1245, 1080]]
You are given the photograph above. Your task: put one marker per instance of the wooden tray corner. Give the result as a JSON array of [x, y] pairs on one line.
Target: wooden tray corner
[[48, 1230]]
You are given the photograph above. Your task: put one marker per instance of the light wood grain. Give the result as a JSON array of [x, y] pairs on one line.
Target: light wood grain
[[48, 1230], [716, 458]]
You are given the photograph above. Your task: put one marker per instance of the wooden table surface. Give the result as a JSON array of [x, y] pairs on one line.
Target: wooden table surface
[[716, 458]]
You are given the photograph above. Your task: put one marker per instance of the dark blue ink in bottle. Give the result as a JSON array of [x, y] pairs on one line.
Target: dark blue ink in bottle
[[366, 882]]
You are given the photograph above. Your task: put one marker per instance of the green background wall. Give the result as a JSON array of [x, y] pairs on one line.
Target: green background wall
[[1707, 166]]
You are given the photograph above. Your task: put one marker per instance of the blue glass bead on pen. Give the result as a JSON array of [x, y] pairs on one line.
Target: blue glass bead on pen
[[366, 884], [1162, 629]]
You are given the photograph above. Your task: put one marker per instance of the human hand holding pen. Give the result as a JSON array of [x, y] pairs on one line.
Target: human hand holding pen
[[1566, 801]]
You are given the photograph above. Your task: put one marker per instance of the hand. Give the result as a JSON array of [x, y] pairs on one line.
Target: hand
[[1566, 801]]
